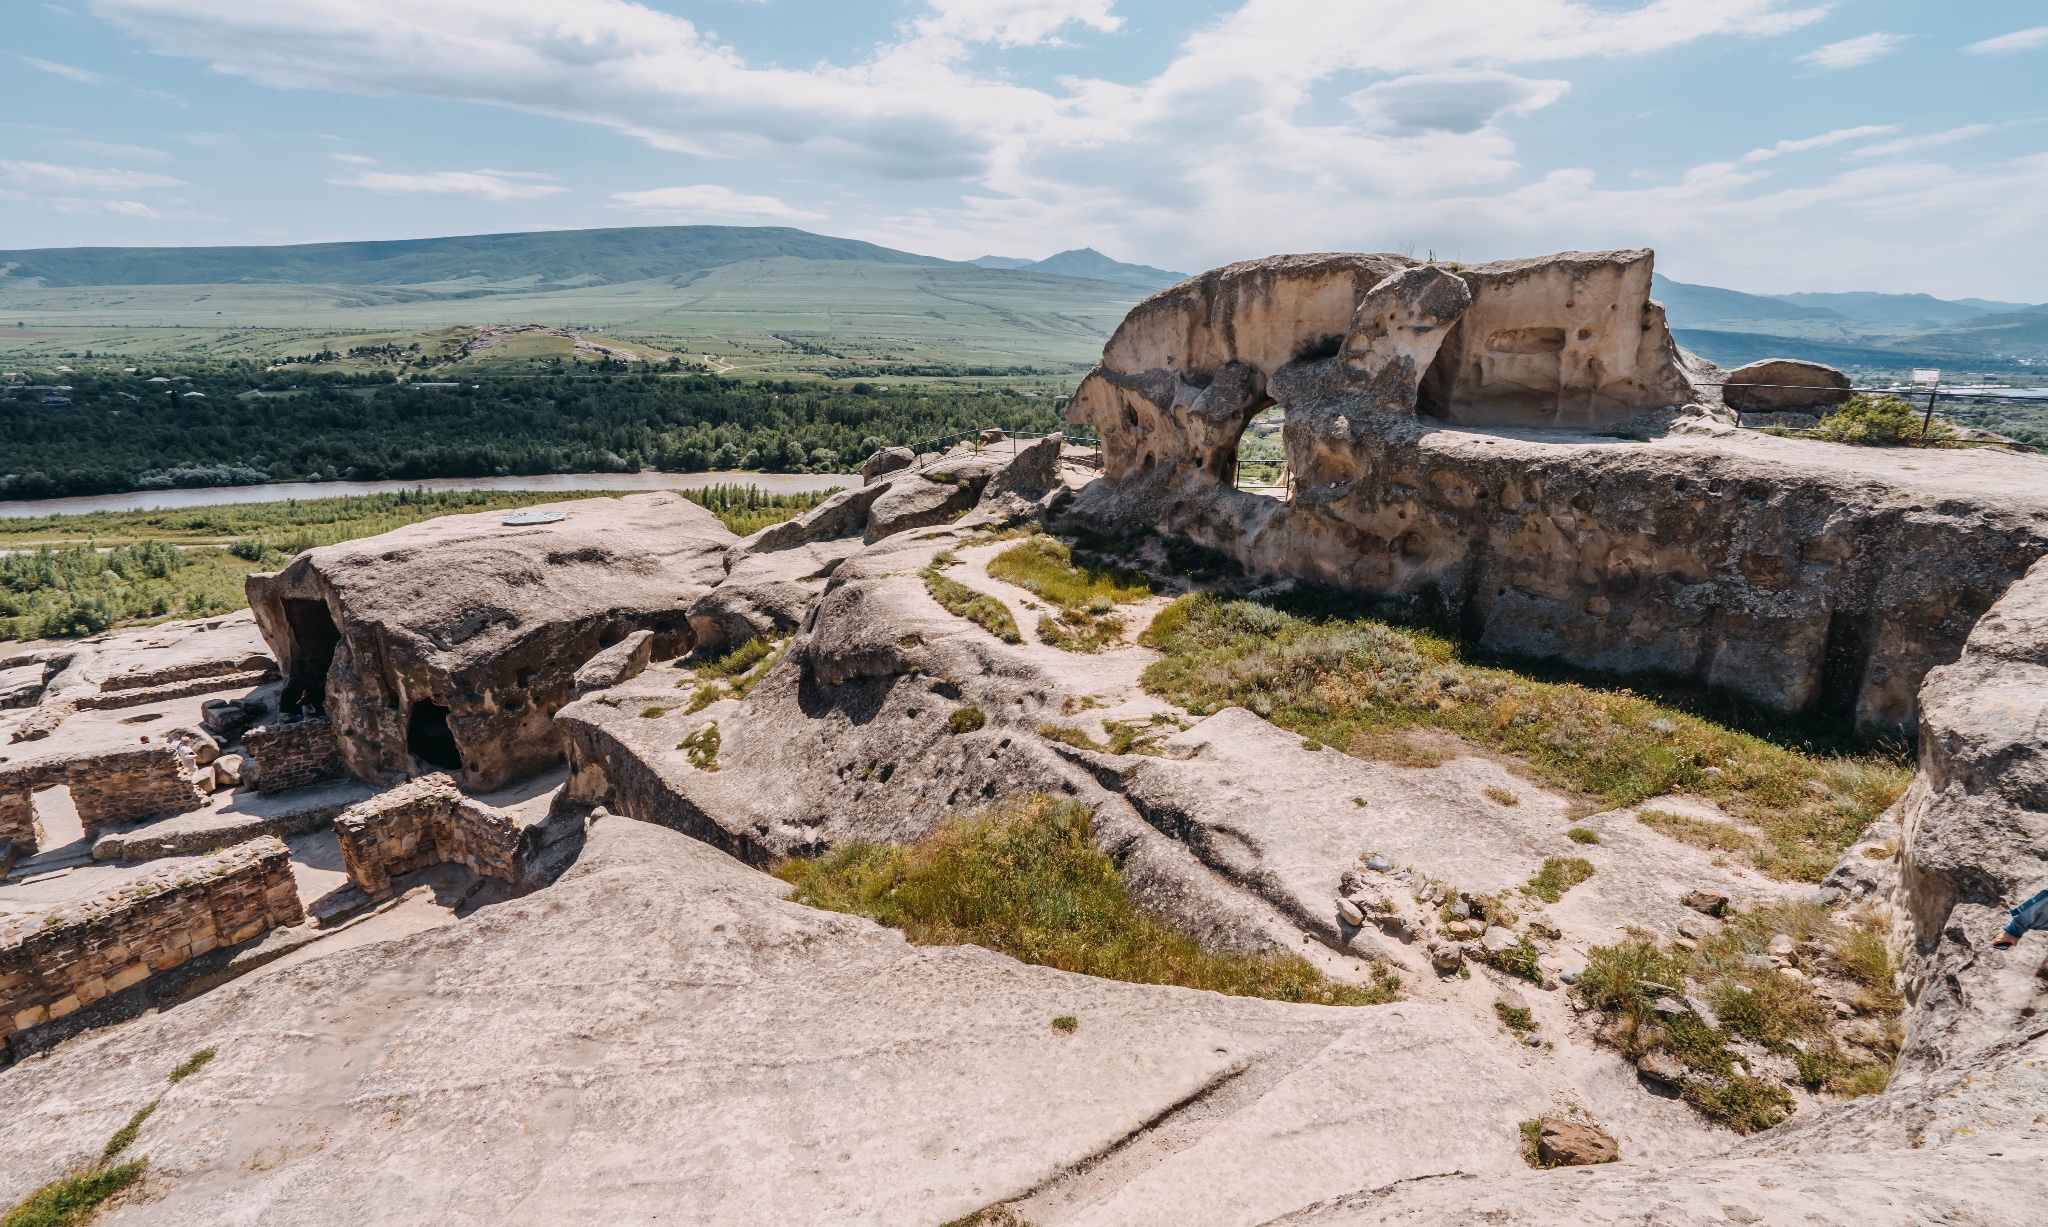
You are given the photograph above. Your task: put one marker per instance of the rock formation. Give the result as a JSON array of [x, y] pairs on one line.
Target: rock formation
[[448, 645], [1784, 570], [1784, 385]]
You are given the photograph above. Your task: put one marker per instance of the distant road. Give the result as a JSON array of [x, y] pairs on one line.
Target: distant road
[[157, 500]]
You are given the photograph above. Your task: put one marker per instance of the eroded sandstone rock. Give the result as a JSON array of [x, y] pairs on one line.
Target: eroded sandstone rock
[[1785, 385], [450, 644]]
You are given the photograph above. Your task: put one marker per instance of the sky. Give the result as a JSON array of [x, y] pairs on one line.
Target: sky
[[1764, 145]]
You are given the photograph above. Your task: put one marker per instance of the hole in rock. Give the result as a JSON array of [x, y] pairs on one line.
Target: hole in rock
[[1844, 661], [428, 736], [1262, 466]]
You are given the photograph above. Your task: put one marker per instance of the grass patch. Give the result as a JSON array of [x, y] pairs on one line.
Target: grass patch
[[702, 747], [193, 1064], [966, 719], [1558, 875], [1583, 835], [125, 1135], [1520, 959], [1500, 796], [1026, 880], [1699, 832], [75, 1198], [1532, 1150], [1066, 1024], [1517, 1020], [1354, 682], [742, 669], [961, 601], [736, 661], [653, 713], [1752, 1001], [1082, 586]]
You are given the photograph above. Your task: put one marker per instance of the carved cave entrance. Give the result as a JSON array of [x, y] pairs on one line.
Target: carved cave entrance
[[314, 637], [428, 736]]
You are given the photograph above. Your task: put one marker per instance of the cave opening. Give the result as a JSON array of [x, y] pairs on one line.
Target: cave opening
[[430, 739], [1844, 661], [1260, 465]]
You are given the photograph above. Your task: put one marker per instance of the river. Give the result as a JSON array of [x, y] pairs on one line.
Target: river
[[156, 500]]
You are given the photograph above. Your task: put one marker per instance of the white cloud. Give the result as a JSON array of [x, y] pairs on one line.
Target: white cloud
[[1014, 23], [1853, 52], [1887, 149], [478, 184], [50, 177], [1459, 102], [1819, 142], [353, 159], [109, 149], [80, 204], [66, 71], [2007, 44], [708, 200]]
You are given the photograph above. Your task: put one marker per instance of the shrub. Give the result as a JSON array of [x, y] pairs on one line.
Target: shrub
[[1877, 421], [1027, 880], [966, 719], [1583, 835], [702, 747]]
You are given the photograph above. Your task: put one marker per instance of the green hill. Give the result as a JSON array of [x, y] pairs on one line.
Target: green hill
[[546, 258]]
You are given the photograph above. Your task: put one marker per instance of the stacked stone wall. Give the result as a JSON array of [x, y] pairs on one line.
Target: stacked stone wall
[[291, 756], [426, 822], [58, 962], [108, 787]]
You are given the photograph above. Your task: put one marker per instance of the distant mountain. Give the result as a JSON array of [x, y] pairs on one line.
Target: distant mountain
[[556, 257], [1925, 309], [1090, 263], [1698, 304]]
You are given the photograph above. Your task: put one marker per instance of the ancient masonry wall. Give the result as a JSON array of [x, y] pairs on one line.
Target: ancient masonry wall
[[291, 756], [108, 787], [59, 961], [426, 822]]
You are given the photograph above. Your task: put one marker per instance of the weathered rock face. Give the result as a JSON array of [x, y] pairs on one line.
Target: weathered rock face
[[1570, 342], [1784, 385], [450, 644], [1976, 836], [1794, 572]]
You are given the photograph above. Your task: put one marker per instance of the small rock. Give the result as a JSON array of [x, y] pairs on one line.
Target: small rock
[[228, 769], [1571, 1143], [1697, 928], [1572, 970], [1458, 928], [1350, 882], [1497, 940], [1511, 1000], [1706, 1014], [1549, 933], [1661, 1067], [1710, 902], [1713, 773], [1670, 1006], [1349, 911], [1844, 1010], [1379, 864], [1792, 973], [204, 778], [1685, 943], [1533, 1040], [1447, 957], [1779, 945], [1826, 896]]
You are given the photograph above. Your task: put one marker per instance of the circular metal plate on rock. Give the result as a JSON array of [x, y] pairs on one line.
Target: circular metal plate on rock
[[535, 517]]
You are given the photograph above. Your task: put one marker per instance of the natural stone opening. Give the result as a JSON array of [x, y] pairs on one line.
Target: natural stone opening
[[430, 739], [1261, 466]]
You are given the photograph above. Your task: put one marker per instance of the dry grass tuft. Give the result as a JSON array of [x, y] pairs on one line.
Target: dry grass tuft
[[1083, 587], [961, 601], [1558, 875], [1026, 880]]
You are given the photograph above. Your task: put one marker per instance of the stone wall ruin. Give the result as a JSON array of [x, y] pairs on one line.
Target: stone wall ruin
[[108, 787], [55, 963], [288, 756], [426, 822]]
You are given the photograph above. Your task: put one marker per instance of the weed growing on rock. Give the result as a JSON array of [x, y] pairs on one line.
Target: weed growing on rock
[[1025, 879], [1532, 1150], [193, 1064], [1514, 1019], [1558, 875], [75, 1198], [1346, 681], [966, 719], [737, 661], [1500, 796], [1066, 1024], [1699, 832], [702, 747], [1520, 959], [742, 668], [1583, 835], [961, 601], [125, 1135]]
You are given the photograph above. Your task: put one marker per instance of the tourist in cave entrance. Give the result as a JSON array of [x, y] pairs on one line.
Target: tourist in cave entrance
[[2033, 914], [303, 698]]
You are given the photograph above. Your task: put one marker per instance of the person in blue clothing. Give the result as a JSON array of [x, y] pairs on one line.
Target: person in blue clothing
[[2033, 914]]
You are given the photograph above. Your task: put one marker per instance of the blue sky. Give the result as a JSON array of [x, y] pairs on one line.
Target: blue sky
[[1766, 145]]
